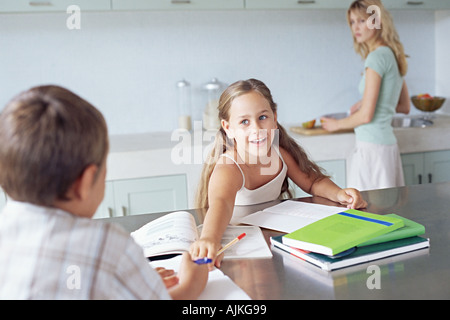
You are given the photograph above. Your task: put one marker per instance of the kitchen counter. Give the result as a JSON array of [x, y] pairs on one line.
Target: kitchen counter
[[421, 274], [432, 138], [410, 140], [182, 152]]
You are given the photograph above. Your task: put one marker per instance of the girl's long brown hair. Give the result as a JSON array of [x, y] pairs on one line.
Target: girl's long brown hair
[[222, 143]]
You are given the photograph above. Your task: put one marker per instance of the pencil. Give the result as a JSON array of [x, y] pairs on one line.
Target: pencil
[[231, 243]]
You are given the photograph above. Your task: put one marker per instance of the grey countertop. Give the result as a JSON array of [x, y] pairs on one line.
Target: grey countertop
[[156, 154], [435, 137], [422, 274]]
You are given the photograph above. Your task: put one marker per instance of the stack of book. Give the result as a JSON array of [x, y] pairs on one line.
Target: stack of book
[[352, 237]]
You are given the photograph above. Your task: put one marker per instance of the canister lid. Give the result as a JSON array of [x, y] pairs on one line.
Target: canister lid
[[214, 84], [183, 83]]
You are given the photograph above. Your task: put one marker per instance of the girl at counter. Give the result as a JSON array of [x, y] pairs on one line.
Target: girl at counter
[[251, 160], [375, 162]]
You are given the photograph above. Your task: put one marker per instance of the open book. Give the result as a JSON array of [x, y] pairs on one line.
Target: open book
[[290, 215], [175, 232]]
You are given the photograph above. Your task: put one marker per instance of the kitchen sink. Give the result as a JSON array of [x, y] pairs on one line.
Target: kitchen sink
[[410, 122]]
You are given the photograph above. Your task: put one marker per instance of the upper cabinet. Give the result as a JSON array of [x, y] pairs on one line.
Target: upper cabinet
[[417, 4], [176, 4], [344, 4], [29, 6], [11, 6], [297, 4]]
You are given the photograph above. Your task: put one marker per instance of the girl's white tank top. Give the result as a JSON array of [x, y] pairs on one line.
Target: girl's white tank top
[[267, 192]]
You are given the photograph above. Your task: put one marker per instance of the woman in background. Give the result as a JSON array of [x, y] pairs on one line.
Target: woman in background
[[375, 162]]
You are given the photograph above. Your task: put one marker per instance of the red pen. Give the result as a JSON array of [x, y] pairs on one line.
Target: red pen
[[232, 242]]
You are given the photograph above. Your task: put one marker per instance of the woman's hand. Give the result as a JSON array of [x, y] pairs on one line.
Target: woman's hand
[[330, 124]]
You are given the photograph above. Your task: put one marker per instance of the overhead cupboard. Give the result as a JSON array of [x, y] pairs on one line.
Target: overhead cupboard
[[109, 5], [30, 6], [297, 4], [36, 6], [176, 4], [343, 4]]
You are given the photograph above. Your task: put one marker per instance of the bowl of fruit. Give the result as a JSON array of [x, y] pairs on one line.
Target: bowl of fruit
[[427, 103]]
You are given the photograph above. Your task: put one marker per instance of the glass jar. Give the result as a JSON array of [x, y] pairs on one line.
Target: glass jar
[[184, 105], [213, 90]]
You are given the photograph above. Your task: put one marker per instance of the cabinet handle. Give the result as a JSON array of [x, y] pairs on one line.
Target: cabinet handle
[[306, 1], [110, 212], [124, 211], [414, 3], [180, 1], [420, 179], [430, 178], [40, 3]]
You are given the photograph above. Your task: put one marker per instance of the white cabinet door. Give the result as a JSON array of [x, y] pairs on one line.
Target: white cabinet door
[[176, 4], [437, 166], [412, 168], [297, 4], [52, 5], [344, 4], [149, 195], [417, 4], [426, 167], [107, 207]]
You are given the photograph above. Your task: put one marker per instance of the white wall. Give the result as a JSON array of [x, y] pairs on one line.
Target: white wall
[[127, 63], [443, 57]]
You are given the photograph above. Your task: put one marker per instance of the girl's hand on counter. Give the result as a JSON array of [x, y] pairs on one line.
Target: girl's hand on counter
[[351, 198]]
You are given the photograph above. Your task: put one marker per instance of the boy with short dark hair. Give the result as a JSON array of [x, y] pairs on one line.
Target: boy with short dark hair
[[53, 149]]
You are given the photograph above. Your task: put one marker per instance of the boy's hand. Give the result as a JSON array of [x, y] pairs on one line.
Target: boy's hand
[[168, 276], [192, 277], [352, 198]]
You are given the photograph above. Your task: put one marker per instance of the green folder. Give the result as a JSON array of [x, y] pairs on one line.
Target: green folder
[[341, 231], [410, 229]]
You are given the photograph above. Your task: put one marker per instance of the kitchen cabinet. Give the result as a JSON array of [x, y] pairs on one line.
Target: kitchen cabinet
[[35, 6], [176, 4], [144, 195], [334, 168], [7, 6], [297, 4], [426, 167], [343, 4], [417, 4], [106, 209], [137, 196]]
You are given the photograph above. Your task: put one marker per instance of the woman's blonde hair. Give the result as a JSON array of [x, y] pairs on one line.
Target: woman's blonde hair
[[387, 32], [222, 143]]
